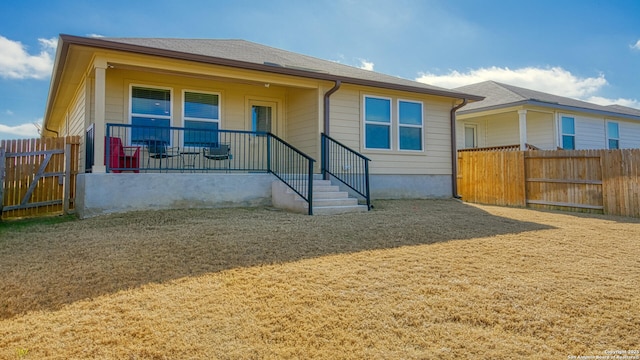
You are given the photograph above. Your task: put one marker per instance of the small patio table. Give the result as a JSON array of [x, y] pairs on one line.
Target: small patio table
[[190, 159]]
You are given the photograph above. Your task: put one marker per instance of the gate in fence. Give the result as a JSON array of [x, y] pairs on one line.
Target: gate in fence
[[38, 176]]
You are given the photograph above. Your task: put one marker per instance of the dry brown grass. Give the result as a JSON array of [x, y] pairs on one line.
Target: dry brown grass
[[411, 280]]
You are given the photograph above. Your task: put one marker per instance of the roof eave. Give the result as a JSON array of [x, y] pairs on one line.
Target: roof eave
[[551, 106], [143, 50], [58, 67]]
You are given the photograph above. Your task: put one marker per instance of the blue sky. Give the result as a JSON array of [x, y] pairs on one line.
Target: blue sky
[[583, 49]]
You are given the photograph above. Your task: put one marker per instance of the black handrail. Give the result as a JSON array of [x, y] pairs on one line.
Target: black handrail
[[346, 165], [292, 167]]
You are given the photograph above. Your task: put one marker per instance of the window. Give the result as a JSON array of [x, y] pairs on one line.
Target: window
[[201, 119], [260, 118], [410, 125], [150, 110], [613, 135], [377, 123], [568, 133], [469, 137]]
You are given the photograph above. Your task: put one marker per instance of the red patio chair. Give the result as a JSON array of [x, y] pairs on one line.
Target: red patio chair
[[122, 157]]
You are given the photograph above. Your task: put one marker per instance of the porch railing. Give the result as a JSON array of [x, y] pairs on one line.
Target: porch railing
[[176, 149], [347, 166], [89, 148], [291, 166]]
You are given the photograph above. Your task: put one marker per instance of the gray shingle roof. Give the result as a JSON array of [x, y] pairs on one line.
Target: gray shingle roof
[[498, 95], [245, 52]]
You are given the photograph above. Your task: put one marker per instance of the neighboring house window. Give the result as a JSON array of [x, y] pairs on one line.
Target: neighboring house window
[[201, 118], [469, 137], [568, 133], [410, 125], [613, 135], [377, 123], [150, 110]]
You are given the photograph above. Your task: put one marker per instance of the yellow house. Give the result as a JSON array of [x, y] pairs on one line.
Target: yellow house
[[205, 123], [519, 118]]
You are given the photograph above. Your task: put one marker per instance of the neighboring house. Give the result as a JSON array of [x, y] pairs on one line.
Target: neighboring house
[[188, 93], [511, 115]]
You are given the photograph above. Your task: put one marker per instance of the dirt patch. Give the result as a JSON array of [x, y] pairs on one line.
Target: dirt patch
[[411, 279]]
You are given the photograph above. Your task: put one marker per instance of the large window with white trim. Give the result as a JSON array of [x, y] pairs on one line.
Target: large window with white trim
[[410, 125], [150, 113], [201, 118], [568, 133], [377, 122], [613, 135]]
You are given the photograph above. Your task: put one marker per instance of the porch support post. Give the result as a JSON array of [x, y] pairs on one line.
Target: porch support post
[[522, 119], [99, 92]]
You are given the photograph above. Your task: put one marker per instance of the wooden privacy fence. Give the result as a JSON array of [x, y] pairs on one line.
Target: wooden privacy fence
[[604, 181], [38, 176]]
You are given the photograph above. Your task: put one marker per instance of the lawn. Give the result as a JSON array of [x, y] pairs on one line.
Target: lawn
[[409, 280]]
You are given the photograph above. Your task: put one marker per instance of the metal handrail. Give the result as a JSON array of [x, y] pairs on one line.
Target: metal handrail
[[292, 167], [346, 165]]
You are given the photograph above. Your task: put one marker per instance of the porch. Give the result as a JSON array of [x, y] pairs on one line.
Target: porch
[[149, 167]]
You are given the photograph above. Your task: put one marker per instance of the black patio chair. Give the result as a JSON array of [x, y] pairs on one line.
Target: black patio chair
[[218, 152], [159, 149]]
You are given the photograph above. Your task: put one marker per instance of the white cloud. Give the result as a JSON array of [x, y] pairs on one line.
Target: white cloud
[[9, 112], [636, 46], [366, 65], [17, 63], [95, 35], [632, 103], [19, 131], [553, 80]]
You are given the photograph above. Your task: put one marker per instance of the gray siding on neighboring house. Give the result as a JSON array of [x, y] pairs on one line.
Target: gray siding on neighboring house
[[540, 130], [629, 135]]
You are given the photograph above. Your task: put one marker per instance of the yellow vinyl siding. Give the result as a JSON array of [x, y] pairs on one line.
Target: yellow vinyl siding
[[234, 114], [303, 123], [76, 113], [346, 124], [347, 127]]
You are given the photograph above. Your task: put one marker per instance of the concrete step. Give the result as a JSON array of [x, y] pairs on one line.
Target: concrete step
[[332, 202], [330, 195], [334, 210], [327, 199]]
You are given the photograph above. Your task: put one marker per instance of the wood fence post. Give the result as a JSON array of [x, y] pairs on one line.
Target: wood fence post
[[67, 177], [523, 164], [2, 161]]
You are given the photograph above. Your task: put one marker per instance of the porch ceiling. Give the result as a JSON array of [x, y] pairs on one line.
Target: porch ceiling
[[246, 80]]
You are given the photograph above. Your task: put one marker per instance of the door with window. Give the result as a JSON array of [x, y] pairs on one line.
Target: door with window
[[263, 118]]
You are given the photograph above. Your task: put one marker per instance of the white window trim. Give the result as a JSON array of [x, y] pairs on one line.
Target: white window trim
[[421, 126], [184, 118], [563, 134], [169, 117], [475, 135], [608, 136], [184, 98], [365, 122]]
